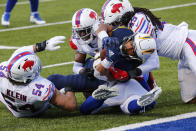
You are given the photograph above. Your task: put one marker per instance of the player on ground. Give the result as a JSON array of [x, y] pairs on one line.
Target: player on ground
[[84, 42], [174, 42], [112, 12], [23, 91], [129, 94]]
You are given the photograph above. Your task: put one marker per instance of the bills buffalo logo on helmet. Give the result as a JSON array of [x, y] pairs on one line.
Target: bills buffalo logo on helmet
[[116, 7], [28, 64], [92, 15]]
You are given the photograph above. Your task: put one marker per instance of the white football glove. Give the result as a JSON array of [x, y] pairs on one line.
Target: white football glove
[[52, 43]]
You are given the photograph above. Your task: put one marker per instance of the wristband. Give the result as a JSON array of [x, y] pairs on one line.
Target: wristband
[[40, 46], [102, 34]]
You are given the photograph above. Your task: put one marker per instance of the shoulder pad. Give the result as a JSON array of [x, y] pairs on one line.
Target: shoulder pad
[[71, 43], [141, 23]]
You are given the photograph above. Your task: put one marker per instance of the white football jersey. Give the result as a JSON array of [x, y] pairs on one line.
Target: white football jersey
[[169, 41], [83, 48], [25, 100]]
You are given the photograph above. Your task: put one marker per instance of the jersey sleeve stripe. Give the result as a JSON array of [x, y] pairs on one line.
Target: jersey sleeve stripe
[[142, 25], [139, 25], [149, 29], [146, 28], [192, 45], [51, 91]]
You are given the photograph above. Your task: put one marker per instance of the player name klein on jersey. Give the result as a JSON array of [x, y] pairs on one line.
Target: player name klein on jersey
[[25, 100]]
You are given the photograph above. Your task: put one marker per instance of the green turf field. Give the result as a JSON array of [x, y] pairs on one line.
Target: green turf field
[[168, 104]]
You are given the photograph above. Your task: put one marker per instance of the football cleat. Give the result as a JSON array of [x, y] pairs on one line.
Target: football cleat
[[5, 19], [36, 19], [150, 97], [103, 92]]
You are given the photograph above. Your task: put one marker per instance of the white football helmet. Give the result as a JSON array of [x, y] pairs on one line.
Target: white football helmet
[[24, 67], [144, 45], [112, 10], [82, 22]]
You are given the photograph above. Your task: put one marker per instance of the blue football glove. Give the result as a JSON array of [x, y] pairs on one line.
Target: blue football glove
[[112, 46], [107, 41]]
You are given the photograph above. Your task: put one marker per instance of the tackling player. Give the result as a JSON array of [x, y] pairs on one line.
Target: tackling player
[[129, 94], [84, 42], [23, 91], [174, 42]]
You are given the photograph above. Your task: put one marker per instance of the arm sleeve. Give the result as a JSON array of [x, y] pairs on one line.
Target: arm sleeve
[[77, 67], [49, 93], [152, 63]]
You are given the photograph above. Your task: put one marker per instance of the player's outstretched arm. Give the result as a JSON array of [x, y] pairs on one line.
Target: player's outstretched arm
[[65, 101], [52, 44]]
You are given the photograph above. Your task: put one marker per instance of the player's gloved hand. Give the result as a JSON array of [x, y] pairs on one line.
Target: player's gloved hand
[[52, 43], [134, 73], [113, 52], [89, 73], [108, 41]]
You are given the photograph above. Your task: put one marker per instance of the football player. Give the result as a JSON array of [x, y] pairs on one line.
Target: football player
[[83, 41], [129, 94], [23, 91], [174, 42], [112, 13]]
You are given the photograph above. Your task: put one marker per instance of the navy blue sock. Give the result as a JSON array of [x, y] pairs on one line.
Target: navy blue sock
[[10, 5], [34, 5], [90, 104]]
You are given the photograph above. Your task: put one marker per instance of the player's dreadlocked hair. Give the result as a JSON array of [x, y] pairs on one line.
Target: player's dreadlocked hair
[[128, 16]]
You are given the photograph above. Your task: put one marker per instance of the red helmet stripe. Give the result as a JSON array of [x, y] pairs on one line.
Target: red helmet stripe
[[16, 58], [78, 17], [103, 9]]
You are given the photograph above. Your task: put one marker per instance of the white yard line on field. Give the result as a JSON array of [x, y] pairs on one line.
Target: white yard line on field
[[34, 26], [25, 2], [8, 47], [172, 7], [60, 64], [65, 22], [153, 122]]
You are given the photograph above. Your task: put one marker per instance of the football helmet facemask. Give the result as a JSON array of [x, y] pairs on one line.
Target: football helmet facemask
[[82, 23], [144, 45]]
